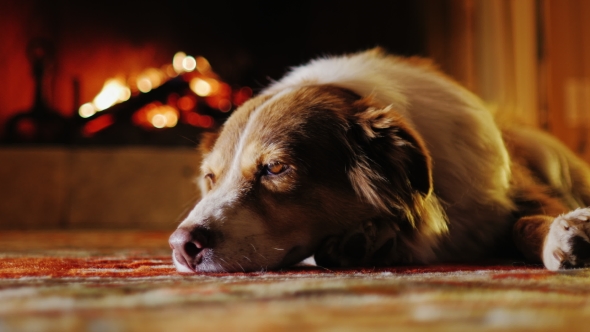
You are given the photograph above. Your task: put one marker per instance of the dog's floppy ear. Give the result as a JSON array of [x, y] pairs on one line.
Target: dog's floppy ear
[[207, 142], [391, 163]]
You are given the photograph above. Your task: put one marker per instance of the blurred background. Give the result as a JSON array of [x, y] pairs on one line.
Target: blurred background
[[103, 102]]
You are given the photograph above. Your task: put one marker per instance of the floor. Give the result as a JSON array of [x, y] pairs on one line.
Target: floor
[[122, 281]]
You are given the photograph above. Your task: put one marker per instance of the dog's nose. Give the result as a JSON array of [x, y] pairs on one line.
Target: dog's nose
[[188, 245]]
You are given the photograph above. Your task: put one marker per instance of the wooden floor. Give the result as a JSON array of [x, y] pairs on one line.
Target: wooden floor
[[120, 281]]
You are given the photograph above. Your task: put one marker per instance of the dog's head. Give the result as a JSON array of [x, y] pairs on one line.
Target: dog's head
[[290, 169]]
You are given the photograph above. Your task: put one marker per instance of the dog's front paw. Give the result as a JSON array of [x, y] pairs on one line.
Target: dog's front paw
[[567, 244], [371, 244]]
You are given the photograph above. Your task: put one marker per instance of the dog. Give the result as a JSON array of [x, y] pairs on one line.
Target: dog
[[371, 159]]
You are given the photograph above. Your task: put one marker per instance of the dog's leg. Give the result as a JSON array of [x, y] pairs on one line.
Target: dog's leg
[[372, 243], [561, 242], [529, 234]]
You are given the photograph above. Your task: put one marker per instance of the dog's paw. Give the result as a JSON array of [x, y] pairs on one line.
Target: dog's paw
[[371, 244], [567, 244]]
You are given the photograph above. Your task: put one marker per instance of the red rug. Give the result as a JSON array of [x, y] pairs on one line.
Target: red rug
[[116, 281]]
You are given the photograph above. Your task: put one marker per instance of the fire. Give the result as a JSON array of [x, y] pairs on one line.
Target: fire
[[189, 64], [202, 81], [87, 110], [98, 124], [203, 65], [113, 91], [157, 115], [204, 86], [200, 87], [149, 79], [162, 116], [177, 62]]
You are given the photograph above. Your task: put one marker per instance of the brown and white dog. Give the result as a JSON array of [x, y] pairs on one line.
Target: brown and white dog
[[374, 160]]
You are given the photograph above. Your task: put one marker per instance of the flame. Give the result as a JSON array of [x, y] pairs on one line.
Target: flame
[[186, 103], [203, 65], [158, 115], [202, 81], [181, 62], [98, 124], [204, 86], [87, 110], [113, 91], [189, 63], [159, 120], [200, 87], [149, 79], [144, 84], [177, 61]]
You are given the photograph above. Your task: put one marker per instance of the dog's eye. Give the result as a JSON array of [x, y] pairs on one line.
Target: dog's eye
[[275, 168], [210, 177]]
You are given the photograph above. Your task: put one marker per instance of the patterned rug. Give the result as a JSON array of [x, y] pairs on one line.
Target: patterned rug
[[121, 281]]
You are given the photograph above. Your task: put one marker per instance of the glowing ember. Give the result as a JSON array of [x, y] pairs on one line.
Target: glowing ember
[[144, 84], [149, 79], [186, 103], [161, 116], [177, 61], [200, 87], [204, 87], [203, 65], [189, 63], [159, 121], [98, 124], [176, 106], [87, 110]]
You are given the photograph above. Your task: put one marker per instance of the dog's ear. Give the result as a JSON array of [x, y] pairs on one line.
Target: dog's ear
[[207, 142], [391, 164]]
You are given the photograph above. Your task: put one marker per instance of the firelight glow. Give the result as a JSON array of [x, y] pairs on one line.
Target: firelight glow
[[159, 121], [200, 87], [203, 65], [177, 61], [189, 63], [113, 91], [163, 116], [87, 110], [144, 84]]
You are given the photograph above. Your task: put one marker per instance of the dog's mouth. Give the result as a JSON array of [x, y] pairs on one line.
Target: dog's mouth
[[205, 261]]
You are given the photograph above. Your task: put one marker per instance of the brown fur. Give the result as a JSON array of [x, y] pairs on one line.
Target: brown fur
[[540, 197], [356, 187]]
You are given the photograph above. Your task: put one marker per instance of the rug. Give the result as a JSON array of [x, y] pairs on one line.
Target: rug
[[125, 281]]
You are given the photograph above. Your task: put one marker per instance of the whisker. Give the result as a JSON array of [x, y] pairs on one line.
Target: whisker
[[246, 257], [224, 261], [241, 266], [221, 267]]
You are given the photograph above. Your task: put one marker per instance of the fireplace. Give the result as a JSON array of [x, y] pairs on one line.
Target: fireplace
[[160, 73]]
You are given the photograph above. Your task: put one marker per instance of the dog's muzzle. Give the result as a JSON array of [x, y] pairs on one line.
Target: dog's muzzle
[[189, 247]]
